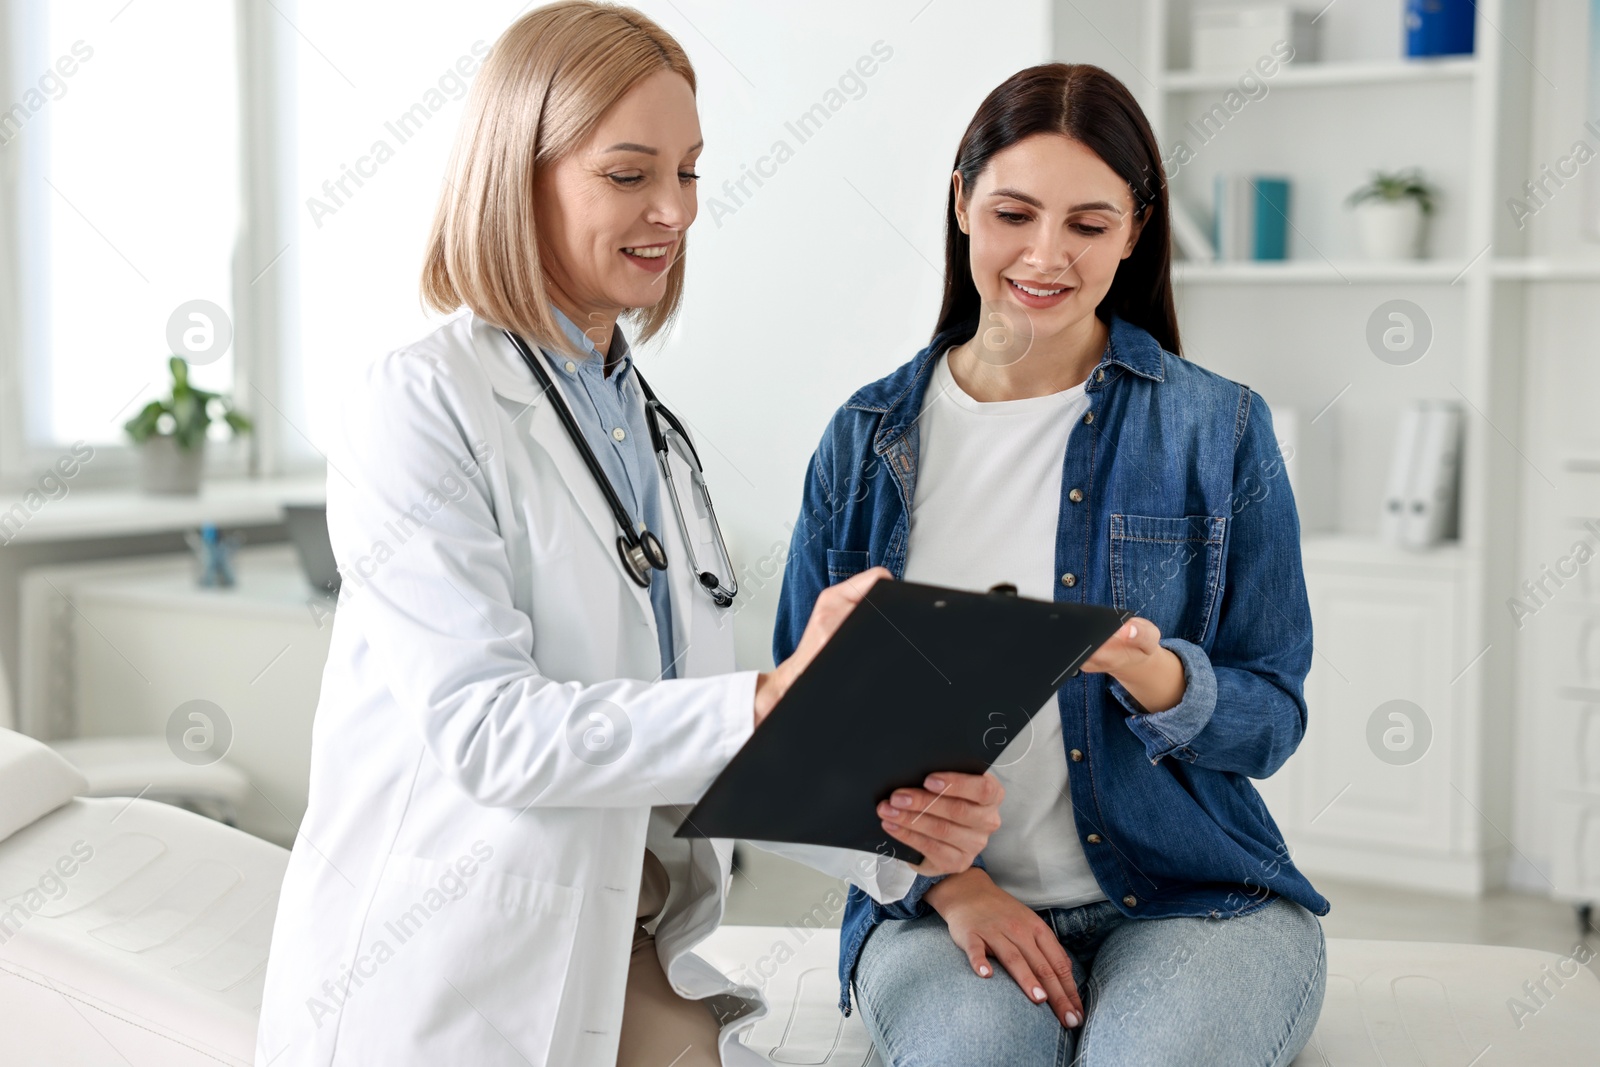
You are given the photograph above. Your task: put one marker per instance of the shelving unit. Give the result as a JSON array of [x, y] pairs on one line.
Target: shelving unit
[[1426, 627], [1331, 74], [1321, 272]]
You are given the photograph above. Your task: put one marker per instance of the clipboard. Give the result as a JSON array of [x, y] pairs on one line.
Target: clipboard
[[917, 679]]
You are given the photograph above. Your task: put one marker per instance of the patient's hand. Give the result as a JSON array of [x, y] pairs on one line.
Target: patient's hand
[[986, 921], [949, 821]]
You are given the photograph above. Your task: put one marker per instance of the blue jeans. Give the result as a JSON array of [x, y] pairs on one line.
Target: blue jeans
[[1237, 992]]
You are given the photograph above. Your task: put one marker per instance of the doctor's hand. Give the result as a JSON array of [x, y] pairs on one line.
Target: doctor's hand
[[833, 606], [949, 821]]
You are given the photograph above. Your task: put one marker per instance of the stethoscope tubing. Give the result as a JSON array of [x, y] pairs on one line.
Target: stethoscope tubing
[[641, 550]]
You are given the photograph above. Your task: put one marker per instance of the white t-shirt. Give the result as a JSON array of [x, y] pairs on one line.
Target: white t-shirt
[[985, 510]]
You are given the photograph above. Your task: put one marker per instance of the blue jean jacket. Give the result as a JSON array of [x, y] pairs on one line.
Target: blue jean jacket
[[1183, 516]]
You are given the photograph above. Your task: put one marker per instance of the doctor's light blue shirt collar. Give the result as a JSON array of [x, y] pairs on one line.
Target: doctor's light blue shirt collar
[[582, 342]]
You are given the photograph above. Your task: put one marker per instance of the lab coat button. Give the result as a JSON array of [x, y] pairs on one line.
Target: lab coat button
[[1130, 900], [1069, 579], [619, 433], [1076, 496]]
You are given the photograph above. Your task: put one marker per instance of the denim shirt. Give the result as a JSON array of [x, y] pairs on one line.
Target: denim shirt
[[1175, 507], [603, 406]]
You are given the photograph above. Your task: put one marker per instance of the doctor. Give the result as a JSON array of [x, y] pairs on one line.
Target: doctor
[[532, 663]]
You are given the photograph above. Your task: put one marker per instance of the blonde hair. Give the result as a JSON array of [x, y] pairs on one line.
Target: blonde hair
[[545, 86]]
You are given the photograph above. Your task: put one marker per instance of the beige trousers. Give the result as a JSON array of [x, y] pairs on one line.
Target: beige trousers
[[660, 1028]]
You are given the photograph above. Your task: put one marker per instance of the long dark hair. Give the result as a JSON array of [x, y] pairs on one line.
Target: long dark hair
[[1090, 106]]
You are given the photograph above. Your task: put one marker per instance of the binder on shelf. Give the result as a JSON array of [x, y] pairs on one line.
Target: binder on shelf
[[1251, 220], [1419, 503], [1431, 517], [1397, 491]]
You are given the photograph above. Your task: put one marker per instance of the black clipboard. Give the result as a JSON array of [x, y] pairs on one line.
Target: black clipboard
[[917, 679]]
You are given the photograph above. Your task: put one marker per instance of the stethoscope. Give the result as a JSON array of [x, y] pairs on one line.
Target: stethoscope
[[640, 549]]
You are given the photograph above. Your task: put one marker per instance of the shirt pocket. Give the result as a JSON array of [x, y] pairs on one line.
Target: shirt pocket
[[1167, 569], [845, 563]]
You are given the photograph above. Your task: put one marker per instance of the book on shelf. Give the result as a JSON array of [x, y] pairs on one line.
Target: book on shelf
[[1251, 217], [1439, 28]]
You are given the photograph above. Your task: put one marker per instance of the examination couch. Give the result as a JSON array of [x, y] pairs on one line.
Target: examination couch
[[135, 932]]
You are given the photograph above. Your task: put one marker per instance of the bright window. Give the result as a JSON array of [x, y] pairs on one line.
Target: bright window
[[123, 123]]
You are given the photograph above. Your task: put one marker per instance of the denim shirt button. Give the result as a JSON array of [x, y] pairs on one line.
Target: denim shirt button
[[1069, 579], [1088, 417], [1077, 755], [1130, 900], [1075, 496], [1100, 375], [1094, 839]]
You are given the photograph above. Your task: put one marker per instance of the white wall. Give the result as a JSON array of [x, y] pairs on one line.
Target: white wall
[[827, 276]]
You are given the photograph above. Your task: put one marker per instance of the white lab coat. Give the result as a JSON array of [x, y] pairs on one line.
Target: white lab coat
[[464, 884]]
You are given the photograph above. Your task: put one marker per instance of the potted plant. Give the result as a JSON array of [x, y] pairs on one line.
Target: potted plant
[[1391, 211], [171, 433]]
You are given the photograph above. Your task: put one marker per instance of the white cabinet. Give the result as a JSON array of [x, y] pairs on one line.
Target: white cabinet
[[1372, 793], [119, 647], [1564, 680]]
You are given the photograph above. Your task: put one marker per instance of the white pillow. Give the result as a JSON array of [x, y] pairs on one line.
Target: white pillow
[[34, 781]]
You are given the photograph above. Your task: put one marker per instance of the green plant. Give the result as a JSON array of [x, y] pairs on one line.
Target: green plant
[[185, 413], [1396, 186]]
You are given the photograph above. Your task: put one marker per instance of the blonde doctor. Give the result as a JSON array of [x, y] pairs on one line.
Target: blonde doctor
[[532, 660]]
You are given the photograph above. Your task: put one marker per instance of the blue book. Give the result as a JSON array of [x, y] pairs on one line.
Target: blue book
[[1251, 219], [1439, 27], [1270, 197]]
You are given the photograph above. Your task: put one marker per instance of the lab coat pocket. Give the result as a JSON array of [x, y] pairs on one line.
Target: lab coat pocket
[[463, 964], [1167, 569], [845, 563]]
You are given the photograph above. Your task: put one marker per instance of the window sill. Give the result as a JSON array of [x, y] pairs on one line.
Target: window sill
[[95, 513]]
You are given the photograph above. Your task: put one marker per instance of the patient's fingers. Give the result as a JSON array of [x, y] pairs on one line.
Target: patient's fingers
[[1016, 965], [978, 788], [958, 837], [911, 803], [938, 857], [978, 955], [1069, 1006], [1061, 1005]]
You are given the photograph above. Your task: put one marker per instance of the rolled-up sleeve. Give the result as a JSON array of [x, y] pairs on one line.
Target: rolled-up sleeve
[[1243, 708], [1168, 733]]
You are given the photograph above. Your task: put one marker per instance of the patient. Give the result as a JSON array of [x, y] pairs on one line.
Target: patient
[[1138, 896]]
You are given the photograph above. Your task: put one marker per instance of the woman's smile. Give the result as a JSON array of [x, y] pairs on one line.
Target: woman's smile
[[1038, 295], [654, 258]]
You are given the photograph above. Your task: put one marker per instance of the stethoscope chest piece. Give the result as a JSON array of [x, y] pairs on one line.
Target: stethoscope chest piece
[[640, 558]]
